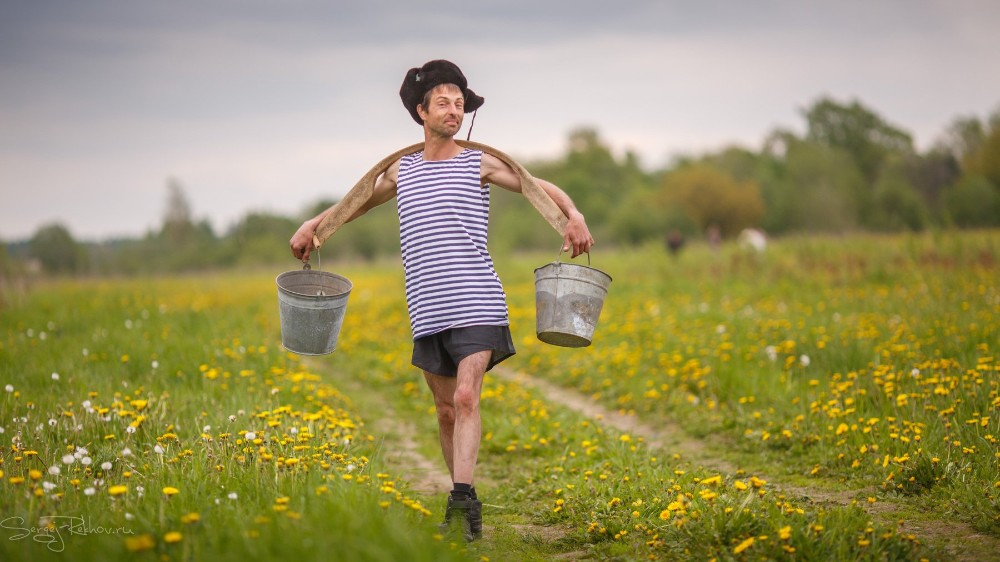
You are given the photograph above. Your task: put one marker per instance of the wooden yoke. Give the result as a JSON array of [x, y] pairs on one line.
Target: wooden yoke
[[363, 190]]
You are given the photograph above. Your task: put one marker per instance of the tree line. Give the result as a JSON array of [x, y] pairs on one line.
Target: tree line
[[851, 170]]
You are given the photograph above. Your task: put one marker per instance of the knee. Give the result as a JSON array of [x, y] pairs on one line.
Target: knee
[[466, 400], [445, 413]]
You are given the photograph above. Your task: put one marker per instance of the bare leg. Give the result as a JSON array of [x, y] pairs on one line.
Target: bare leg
[[457, 403], [443, 389], [468, 426]]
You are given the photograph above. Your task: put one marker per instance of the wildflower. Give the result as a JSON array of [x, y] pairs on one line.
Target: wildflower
[[158, 450], [118, 490], [106, 465], [35, 474], [744, 545], [9, 388], [89, 491], [232, 495], [85, 461], [804, 360], [170, 491], [54, 470], [68, 459], [55, 376], [250, 436], [190, 518], [172, 537], [130, 429], [144, 541], [785, 533]]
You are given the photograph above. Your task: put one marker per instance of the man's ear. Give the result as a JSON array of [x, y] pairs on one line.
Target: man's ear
[[421, 111]]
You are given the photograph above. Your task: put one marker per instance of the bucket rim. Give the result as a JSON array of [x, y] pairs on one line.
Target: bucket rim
[[295, 272], [562, 263]]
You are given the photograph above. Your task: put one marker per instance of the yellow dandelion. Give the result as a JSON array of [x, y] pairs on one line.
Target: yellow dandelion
[[190, 518], [141, 542], [170, 491], [172, 537], [118, 490], [35, 474], [785, 533], [744, 545]]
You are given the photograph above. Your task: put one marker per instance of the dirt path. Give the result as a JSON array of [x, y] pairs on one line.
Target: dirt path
[[429, 476]]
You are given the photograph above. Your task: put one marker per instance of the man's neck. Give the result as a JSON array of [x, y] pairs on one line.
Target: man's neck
[[440, 148]]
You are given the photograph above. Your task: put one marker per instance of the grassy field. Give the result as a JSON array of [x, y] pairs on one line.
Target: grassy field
[[829, 399]]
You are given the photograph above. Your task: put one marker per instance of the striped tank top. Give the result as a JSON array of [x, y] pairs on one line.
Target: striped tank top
[[443, 217]]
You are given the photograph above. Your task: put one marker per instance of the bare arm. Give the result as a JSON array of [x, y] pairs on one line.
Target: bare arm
[[385, 189], [577, 236]]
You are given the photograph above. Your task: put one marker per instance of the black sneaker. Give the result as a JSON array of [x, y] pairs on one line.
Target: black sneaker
[[468, 512]]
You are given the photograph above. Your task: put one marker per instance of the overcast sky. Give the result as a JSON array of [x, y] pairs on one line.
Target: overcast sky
[[273, 105]]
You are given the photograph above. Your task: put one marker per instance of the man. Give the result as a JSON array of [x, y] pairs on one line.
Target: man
[[457, 306]]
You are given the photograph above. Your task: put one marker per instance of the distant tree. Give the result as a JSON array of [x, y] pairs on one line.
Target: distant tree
[[897, 205], [178, 224], [709, 196], [58, 252], [973, 203], [858, 131]]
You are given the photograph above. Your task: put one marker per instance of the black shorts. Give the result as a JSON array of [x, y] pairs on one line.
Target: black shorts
[[440, 353]]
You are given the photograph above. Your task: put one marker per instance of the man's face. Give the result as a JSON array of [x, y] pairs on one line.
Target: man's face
[[444, 111]]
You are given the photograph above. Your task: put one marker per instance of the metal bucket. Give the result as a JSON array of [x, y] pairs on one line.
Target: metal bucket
[[568, 302], [312, 306]]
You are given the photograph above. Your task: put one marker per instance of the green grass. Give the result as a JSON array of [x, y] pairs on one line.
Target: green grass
[[861, 365]]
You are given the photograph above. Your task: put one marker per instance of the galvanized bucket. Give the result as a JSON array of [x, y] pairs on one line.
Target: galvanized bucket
[[312, 306], [568, 302]]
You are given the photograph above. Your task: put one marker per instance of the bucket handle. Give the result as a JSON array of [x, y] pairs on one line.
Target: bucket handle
[[319, 260], [563, 249]]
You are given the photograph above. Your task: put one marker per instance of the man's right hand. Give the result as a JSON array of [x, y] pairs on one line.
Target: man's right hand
[[302, 241]]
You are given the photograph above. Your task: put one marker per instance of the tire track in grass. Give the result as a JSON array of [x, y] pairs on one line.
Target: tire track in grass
[[959, 540]]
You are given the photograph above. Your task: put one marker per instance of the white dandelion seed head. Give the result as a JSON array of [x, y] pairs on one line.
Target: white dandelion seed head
[[155, 364], [158, 450], [274, 390], [89, 491], [140, 489], [216, 501], [772, 352], [105, 465], [86, 404], [85, 461], [52, 422], [126, 452], [48, 486], [241, 412], [804, 360], [55, 376], [54, 470], [720, 329], [915, 373], [351, 467], [232, 418], [233, 495], [250, 436], [294, 431], [1, 430], [9, 388], [206, 429], [68, 458], [82, 450], [130, 429], [85, 352], [129, 517]]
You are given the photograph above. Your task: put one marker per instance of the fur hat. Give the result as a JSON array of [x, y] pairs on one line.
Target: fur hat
[[419, 81]]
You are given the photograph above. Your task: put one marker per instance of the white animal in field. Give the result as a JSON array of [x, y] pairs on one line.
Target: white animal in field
[[752, 238]]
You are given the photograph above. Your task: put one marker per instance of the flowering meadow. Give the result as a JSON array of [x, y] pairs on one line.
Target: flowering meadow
[[827, 399]]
